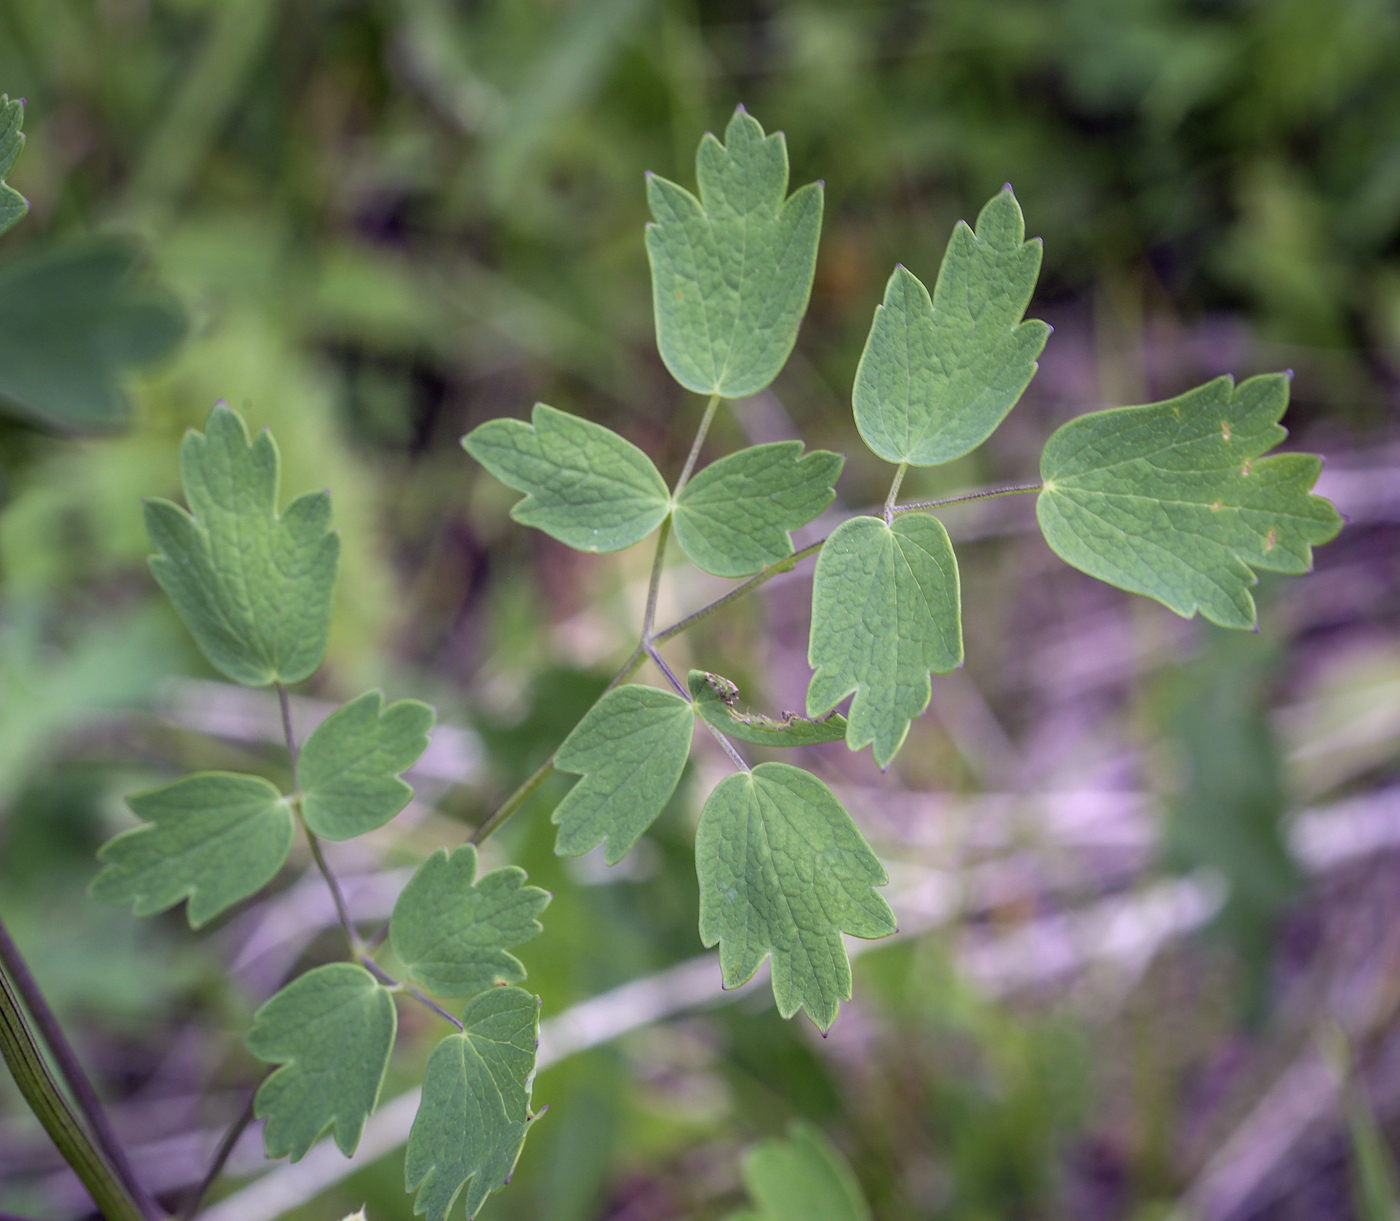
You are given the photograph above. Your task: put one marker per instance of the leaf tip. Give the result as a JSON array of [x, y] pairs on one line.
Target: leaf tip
[[740, 109]]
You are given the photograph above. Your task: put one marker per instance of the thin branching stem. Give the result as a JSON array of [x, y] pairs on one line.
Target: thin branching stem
[[651, 638], [894, 491], [734, 756], [658, 564], [394, 985], [221, 1156], [638, 655], [1013, 490], [668, 672], [69, 1067], [514, 801], [787, 564], [358, 949], [694, 456]]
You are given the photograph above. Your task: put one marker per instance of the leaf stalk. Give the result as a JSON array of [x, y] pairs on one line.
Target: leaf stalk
[[25, 1061], [84, 1096]]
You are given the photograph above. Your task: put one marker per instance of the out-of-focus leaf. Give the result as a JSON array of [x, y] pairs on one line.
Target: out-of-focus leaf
[[47, 688], [801, 1178], [215, 838], [331, 1030], [735, 516], [74, 321], [452, 930], [475, 1111], [1173, 500], [1229, 817], [715, 697], [784, 872], [731, 271], [349, 768], [252, 585], [13, 205]]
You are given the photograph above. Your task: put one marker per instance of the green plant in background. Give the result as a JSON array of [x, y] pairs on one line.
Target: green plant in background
[[1175, 500], [801, 1178]]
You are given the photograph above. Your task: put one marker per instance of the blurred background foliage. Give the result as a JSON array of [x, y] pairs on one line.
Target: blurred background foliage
[[372, 224]]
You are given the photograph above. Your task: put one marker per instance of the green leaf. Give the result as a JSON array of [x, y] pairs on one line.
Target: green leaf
[[733, 518], [349, 768], [630, 749], [452, 933], [13, 205], [214, 838], [801, 1178], [74, 321], [253, 588], [784, 871], [476, 1104], [885, 612], [1173, 500], [716, 696], [587, 486], [731, 271], [332, 1031], [937, 376]]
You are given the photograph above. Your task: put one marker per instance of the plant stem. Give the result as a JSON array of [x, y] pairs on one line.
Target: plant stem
[[630, 666], [84, 1096], [393, 984], [514, 801], [691, 458], [1013, 490], [654, 585], [221, 1156], [359, 951], [342, 910], [669, 673], [285, 703], [787, 564], [894, 491], [39, 1089]]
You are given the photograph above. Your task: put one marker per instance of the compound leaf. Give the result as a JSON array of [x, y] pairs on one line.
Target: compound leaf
[[587, 486], [733, 518], [475, 1111], [784, 871], [73, 321], [801, 1178], [332, 1031], [885, 612], [13, 205], [630, 749], [938, 375], [715, 697], [1173, 500], [349, 768], [254, 588], [731, 271], [214, 838], [451, 932]]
